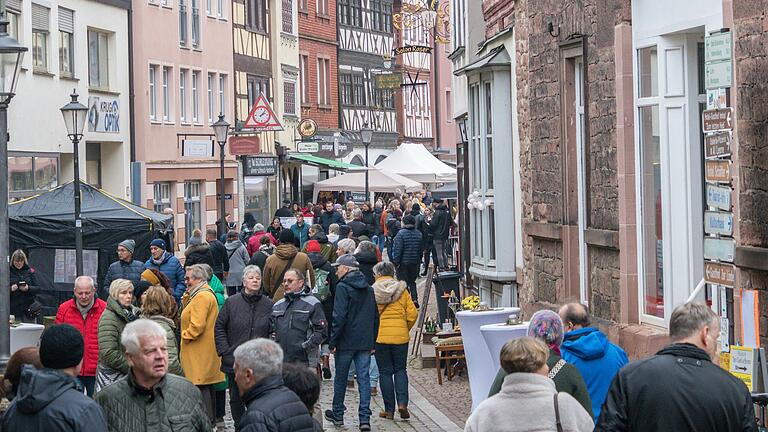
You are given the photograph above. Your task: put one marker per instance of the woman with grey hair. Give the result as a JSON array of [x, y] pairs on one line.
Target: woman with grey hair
[[119, 312], [345, 246], [238, 259], [245, 316]]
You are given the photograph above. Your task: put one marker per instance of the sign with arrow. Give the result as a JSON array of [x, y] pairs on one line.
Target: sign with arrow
[[262, 117], [743, 362], [717, 120]]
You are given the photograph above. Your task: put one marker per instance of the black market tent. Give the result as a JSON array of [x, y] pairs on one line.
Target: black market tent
[[43, 226], [447, 191]]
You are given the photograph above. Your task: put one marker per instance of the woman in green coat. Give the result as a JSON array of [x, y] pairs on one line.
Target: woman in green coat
[[547, 326], [160, 307], [119, 312]]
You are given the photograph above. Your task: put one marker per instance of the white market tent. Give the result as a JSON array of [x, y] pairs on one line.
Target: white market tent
[[417, 163], [379, 180]]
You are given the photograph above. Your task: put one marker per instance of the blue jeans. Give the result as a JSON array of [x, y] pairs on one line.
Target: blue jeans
[[373, 372], [362, 360], [392, 361], [378, 240]]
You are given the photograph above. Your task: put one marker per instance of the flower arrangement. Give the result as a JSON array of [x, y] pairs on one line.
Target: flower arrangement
[[470, 303], [430, 325]]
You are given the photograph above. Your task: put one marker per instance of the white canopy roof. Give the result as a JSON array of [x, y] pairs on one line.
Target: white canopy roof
[[417, 163], [378, 181]]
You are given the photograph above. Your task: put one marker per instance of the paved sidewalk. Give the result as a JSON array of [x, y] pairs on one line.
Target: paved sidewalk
[[424, 415]]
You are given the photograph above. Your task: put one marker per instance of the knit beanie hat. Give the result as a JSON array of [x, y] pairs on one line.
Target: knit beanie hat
[[158, 243], [547, 326], [61, 347], [128, 244], [313, 246], [286, 236], [194, 241], [149, 276]]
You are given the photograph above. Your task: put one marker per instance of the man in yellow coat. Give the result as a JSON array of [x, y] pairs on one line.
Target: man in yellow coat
[[198, 356]]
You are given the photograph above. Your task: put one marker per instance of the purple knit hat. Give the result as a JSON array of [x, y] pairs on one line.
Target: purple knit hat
[[547, 326]]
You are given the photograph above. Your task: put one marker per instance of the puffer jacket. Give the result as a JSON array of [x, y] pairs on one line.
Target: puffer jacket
[[397, 313], [238, 259], [169, 326], [243, 317], [355, 316], [198, 254], [300, 233], [111, 326], [49, 400], [272, 281], [367, 260], [21, 300], [272, 407], [68, 313], [326, 248], [121, 270], [299, 325], [359, 228], [254, 242], [407, 246], [170, 266], [173, 404]]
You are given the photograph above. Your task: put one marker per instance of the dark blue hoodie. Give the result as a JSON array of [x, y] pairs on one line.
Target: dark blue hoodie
[[596, 358], [355, 314]]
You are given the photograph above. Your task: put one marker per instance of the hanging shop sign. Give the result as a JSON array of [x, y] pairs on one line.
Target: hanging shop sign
[[719, 197], [718, 74], [719, 249], [717, 145], [244, 145], [720, 274], [388, 81], [715, 120], [307, 128], [260, 166], [307, 146], [718, 171], [412, 49], [720, 223], [718, 47], [197, 148], [103, 114]]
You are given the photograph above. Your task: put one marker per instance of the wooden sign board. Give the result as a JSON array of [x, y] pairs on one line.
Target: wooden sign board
[[717, 120], [719, 197], [719, 249], [388, 81], [718, 223], [718, 171], [717, 145], [720, 274], [244, 145]]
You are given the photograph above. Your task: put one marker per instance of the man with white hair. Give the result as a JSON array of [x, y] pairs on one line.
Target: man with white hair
[[271, 405], [149, 398], [83, 312], [680, 388]]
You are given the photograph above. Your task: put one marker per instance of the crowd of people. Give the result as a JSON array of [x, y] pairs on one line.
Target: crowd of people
[[257, 313]]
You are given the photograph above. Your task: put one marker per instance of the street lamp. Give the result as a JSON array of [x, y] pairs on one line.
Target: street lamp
[[11, 54], [221, 130], [74, 114], [366, 133]]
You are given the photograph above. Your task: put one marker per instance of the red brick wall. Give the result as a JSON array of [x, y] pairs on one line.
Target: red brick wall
[[317, 37], [498, 15]]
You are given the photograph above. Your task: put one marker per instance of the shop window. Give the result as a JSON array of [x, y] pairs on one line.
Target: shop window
[[162, 196], [648, 74], [652, 219], [192, 208], [27, 174]]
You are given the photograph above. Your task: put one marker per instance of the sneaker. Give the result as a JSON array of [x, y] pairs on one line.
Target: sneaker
[[326, 373], [336, 422], [365, 427]]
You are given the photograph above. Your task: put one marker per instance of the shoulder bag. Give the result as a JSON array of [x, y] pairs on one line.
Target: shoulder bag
[[557, 415]]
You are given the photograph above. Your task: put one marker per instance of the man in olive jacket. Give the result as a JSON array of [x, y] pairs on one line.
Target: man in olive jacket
[[149, 399]]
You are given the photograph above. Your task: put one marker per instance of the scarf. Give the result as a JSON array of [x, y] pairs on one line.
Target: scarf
[[157, 262], [84, 310]]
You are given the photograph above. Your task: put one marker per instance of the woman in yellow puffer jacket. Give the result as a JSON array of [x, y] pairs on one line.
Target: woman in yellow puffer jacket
[[397, 314]]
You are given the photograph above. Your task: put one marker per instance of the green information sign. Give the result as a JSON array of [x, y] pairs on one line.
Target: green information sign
[[718, 47]]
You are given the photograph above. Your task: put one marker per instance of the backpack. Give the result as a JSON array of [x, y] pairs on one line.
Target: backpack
[[322, 289]]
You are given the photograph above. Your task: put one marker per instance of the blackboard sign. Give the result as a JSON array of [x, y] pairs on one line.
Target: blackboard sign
[[260, 166]]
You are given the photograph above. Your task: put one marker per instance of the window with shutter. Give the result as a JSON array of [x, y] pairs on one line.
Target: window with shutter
[[66, 42], [40, 30]]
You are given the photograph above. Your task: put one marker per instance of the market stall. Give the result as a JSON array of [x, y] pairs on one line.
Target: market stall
[[417, 163], [379, 180]]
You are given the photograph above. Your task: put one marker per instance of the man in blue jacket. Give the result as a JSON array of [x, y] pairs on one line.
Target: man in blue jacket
[[406, 255], [300, 230], [589, 350], [353, 337], [169, 265]]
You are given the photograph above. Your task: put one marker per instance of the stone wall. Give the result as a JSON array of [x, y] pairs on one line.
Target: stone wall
[[604, 298]]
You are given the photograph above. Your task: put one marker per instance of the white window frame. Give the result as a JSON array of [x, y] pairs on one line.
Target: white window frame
[[222, 93], [211, 91], [103, 59], [192, 190], [183, 96], [581, 186], [296, 101], [304, 78], [153, 92], [161, 198], [221, 12], [167, 110], [195, 97]]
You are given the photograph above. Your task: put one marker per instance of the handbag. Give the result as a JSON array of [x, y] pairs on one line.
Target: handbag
[[557, 415]]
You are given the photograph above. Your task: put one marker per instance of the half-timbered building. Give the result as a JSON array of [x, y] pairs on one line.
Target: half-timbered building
[[365, 38]]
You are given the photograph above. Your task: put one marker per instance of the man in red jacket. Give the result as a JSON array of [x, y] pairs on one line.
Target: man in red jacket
[[83, 313]]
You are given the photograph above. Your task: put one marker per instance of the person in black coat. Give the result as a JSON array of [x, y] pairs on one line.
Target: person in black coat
[[284, 211], [219, 253], [124, 268], [680, 388], [423, 225], [367, 258], [271, 406], [244, 316], [330, 216], [357, 226], [23, 287], [441, 230], [406, 255], [275, 227], [369, 218], [320, 262], [266, 248], [197, 251]]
